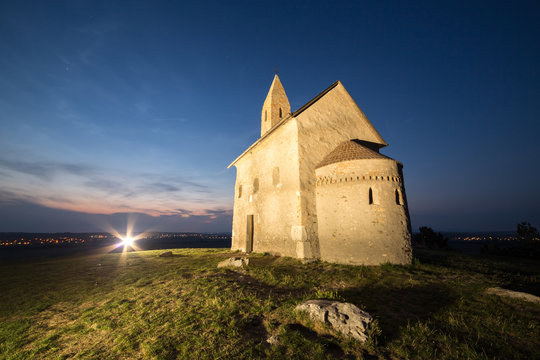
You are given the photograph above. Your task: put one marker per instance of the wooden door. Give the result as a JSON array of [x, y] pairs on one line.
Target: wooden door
[[249, 234]]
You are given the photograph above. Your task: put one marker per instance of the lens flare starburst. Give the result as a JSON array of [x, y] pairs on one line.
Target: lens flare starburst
[[127, 241]]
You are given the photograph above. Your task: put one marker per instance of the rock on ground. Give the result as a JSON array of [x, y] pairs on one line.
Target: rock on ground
[[273, 340], [166, 254], [234, 262], [345, 318], [513, 294]]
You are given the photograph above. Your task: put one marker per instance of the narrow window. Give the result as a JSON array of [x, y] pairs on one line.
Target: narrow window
[[255, 185], [240, 191], [280, 114], [265, 115], [370, 196], [398, 199]]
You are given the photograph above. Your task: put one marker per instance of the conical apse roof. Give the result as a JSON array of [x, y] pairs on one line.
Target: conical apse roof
[[352, 150]]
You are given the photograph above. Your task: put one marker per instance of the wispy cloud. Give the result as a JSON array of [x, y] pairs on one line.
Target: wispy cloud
[[93, 189], [45, 219], [109, 186], [157, 187], [44, 170]]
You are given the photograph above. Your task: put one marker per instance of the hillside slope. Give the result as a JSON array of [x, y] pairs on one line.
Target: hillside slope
[[138, 305]]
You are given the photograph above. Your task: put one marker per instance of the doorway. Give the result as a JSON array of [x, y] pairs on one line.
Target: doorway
[[249, 234]]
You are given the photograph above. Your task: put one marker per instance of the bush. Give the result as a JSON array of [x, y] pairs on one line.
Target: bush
[[527, 233], [526, 246], [429, 238]]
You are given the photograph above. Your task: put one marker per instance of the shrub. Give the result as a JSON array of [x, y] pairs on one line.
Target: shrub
[[527, 244], [527, 233], [429, 238]]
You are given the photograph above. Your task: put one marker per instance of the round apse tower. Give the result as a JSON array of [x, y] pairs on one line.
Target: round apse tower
[[362, 213]]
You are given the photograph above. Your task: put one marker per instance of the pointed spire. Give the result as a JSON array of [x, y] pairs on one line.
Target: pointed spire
[[275, 107]]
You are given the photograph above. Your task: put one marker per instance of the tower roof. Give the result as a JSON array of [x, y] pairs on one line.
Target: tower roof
[[276, 88], [353, 150], [276, 106]]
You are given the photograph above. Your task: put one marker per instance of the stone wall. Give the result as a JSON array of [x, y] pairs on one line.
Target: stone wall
[[328, 122], [355, 227], [272, 166]]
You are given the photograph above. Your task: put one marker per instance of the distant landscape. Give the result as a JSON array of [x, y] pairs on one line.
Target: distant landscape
[[20, 245], [16, 245]]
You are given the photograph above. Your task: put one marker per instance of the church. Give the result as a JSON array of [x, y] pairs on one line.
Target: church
[[315, 186]]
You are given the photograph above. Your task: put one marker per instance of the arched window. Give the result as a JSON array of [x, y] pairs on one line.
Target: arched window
[[255, 185], [370, 196], [280, 113], [240, 191], [398, 197]]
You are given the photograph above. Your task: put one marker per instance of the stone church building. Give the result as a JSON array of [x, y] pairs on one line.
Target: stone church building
[[314, 185]]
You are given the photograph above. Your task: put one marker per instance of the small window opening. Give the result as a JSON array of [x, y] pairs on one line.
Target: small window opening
[[370, 196], [280, 113], [240, 191], [398, 197], [265, 115]]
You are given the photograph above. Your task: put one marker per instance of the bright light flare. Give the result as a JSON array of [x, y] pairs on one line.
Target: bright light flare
[[127, 241]]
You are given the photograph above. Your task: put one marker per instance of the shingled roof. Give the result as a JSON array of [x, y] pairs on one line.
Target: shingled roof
[[352, 150]]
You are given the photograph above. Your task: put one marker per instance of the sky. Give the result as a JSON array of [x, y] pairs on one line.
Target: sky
[[118, 109]]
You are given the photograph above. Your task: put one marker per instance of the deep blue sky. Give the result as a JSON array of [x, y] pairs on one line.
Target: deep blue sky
[[139, 106]]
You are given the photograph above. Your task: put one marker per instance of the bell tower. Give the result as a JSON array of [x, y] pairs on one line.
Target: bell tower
[[275, 107]]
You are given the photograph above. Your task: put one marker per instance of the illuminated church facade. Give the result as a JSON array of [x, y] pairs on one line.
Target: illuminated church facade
[[315, 186]]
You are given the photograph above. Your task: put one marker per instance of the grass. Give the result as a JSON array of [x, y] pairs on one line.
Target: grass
[[138, 305]]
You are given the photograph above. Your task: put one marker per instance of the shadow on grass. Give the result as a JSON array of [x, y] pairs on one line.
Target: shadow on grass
[[331, 347], [254, 330], [396, 307], [260, 289], [513, 273]]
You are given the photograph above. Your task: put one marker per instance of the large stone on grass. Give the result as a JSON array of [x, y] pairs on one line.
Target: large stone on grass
[[166, 254], [234, 262], [513, 294], [345, 318]]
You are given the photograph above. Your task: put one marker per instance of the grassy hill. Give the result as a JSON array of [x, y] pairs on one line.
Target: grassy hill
[[138, 305]]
